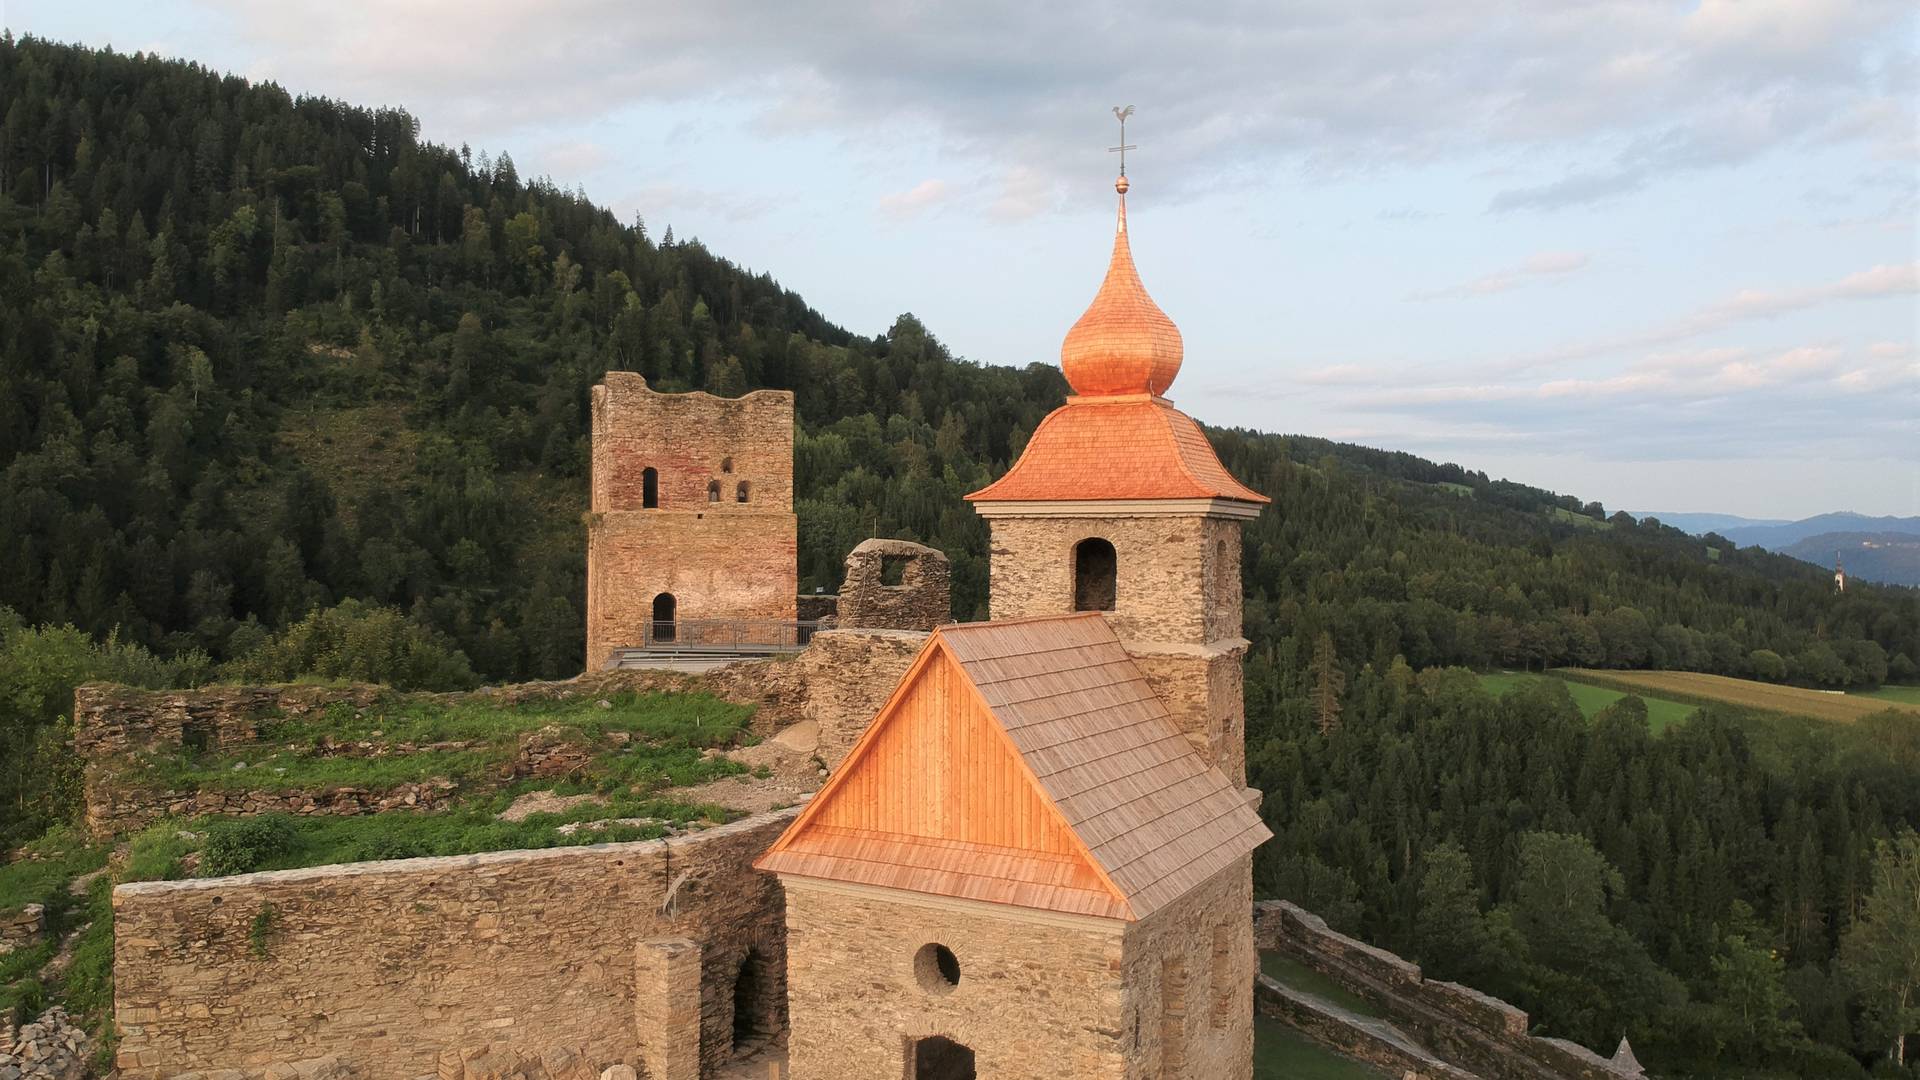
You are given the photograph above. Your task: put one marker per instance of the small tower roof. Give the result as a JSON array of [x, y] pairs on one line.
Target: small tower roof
[[1117, 437]]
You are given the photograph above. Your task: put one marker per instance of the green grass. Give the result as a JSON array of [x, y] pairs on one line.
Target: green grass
[[1287, 971], [1903, 695], [1567, 517], [653, 740], [1282, 1053], [1661, 712], [159, 853], [52, 861]]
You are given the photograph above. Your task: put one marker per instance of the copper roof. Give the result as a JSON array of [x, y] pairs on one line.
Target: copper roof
[[1124, 343], [1099, 806], [1136, 447]]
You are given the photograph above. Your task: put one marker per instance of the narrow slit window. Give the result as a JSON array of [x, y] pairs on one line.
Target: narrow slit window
[[649, 488]]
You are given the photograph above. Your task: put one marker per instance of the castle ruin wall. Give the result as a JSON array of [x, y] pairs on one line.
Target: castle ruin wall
[[1469, 1029], [395, 965]]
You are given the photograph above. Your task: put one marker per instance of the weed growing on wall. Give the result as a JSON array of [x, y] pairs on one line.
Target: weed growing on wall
[[261, 932]]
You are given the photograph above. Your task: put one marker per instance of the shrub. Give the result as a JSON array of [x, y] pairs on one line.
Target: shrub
[[242, 845], [389, 846], [362, 642]]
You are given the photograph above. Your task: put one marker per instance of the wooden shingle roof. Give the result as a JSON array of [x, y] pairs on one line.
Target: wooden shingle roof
[[1024, 762]]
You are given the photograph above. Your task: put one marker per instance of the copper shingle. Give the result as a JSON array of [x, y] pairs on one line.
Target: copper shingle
[[1117, 448], [1123, 343]]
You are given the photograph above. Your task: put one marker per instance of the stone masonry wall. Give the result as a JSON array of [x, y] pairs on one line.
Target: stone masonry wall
[[922, 600], [1470, 1029], [1039, 997], [1178, 579], [1189, 983], [391, 965]]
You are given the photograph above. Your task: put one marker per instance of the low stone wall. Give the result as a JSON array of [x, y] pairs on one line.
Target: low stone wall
[[839, 682], [1342, 1032], [1468, 1028], [410, 967], [23, 928]]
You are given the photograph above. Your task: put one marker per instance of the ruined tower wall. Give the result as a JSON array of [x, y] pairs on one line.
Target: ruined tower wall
[[720, 537]]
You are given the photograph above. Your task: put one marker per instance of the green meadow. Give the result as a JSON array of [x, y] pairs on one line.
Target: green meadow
[[1661, 712]]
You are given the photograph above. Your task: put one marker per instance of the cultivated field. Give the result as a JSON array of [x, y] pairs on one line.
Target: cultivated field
[[1693, 686]]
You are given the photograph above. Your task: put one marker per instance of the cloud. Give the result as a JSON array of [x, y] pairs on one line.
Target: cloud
[[1548, 265], [1590, 99], [906, 204], [1718, 403], [660, 202]]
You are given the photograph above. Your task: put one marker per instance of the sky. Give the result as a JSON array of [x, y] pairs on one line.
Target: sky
[[1661, 255]]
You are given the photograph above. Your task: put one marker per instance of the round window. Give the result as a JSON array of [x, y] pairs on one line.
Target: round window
[[936, 969]]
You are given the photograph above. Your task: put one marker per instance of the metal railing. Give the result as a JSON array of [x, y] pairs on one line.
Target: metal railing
[[729, 635]]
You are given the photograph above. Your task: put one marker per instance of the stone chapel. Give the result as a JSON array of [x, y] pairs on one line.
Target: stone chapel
[[1036, 862]]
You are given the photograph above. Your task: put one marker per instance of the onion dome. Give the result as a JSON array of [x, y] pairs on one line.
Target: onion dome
[[1124, 344]]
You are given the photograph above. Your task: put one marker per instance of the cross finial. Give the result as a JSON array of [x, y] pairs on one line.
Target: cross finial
[[1121, 115]]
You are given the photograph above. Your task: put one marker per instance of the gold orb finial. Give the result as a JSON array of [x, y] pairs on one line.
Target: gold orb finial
[[1121, 184]]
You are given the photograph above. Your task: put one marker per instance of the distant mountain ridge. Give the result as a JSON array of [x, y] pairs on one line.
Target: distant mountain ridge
[[1891, 558], [1883, 549], [1701, 524], [1778, 535]]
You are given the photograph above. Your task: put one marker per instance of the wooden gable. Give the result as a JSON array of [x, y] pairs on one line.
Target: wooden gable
[[1025, 762], [935, 798]]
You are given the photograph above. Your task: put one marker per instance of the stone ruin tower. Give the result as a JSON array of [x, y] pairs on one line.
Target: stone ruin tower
[[1037, 860], [691, 529]]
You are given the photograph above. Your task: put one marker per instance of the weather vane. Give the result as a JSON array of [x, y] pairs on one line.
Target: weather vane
[[1121, 115]]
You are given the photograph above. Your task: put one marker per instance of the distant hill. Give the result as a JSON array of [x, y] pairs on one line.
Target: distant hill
[[1702, 524], [264, 354], [1776, 534], [1882, 549], [1891, 558]]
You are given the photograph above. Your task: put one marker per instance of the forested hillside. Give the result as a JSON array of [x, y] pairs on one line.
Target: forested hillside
[[278, 379]]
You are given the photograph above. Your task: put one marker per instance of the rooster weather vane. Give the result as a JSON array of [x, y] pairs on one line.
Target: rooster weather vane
[[1121, 115]]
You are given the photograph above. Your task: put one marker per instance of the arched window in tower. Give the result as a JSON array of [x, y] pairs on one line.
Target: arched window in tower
[[726, 464], [649, 488], [740, 493], [1096, 571], [713, 491], [663, 628]]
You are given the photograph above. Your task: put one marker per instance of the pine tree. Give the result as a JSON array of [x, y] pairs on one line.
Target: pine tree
[[1329, 682]]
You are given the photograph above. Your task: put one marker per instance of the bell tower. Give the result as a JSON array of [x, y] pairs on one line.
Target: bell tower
[[1120, 505]]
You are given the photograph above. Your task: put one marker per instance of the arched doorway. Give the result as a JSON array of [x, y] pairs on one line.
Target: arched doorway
[[663, 618], [751, 1003], [1096, 573], [940, 1058]]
